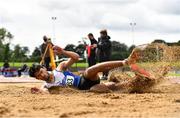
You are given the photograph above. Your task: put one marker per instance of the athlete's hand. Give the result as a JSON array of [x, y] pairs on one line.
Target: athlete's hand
[[58, 50], [35, 90]]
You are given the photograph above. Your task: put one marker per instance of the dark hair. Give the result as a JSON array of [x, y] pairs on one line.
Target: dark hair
[[90, 34], [35, 68], [45, 38], [104, 32]]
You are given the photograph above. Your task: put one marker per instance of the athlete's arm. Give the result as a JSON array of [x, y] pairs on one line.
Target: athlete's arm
[[73, 57]]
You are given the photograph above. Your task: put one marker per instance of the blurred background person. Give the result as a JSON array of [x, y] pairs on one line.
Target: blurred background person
[[104, 49], [45, 52], [92, 53]]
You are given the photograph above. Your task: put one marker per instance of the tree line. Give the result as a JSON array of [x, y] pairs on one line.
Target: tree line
[[18, 53], [119, 51], [11, 52]]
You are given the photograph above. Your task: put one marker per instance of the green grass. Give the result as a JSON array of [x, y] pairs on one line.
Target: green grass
[[17, 64], [80, 65], [84, 65], [144, 64], [173, 74]]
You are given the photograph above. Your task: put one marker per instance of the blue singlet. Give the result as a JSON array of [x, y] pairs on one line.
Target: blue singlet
[[65, 78]]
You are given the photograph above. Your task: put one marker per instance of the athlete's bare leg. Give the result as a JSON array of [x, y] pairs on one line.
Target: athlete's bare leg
[[91, 73]]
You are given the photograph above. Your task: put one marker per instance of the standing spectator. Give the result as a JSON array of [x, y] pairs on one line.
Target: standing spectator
[[46, 58], [92, 55], [104, 49]]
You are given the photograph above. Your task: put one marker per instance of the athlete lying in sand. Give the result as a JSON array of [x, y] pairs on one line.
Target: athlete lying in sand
[[62, 77]]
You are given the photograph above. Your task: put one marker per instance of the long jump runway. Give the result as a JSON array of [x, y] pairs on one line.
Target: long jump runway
[[23, 79]]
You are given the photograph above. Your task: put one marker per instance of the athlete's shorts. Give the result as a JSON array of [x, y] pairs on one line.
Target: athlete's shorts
[[86, 84]]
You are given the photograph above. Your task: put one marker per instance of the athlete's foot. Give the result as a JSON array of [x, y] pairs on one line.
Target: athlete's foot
[[135, 55]]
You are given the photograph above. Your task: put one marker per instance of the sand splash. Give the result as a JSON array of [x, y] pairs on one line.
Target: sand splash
[[129, 82]]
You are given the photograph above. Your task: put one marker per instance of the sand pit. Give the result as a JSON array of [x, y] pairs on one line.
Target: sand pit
[[162, 100], [17, 101]]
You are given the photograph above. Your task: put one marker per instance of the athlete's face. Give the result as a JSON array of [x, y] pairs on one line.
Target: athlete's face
[[42, 74]]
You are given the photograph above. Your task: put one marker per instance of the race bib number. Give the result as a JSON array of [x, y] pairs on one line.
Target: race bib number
[[69, 80]]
